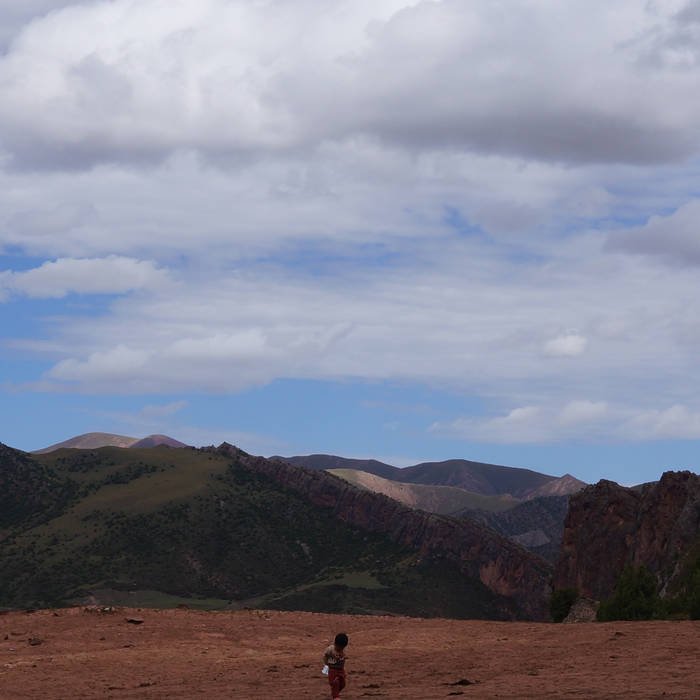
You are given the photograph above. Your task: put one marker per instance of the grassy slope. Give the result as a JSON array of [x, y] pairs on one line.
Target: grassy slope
[[444, 500], [185, 523]]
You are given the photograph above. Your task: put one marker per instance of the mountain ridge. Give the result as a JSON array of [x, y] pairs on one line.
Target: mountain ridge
[[443, 500], [500, 564], [93, 441], [219, 523], [477, 477]]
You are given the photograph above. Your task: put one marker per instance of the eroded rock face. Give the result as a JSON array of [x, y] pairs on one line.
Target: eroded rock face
[[501, 565], [609, 526]]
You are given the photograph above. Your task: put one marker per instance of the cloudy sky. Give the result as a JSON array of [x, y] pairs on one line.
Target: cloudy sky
[[407, 230]]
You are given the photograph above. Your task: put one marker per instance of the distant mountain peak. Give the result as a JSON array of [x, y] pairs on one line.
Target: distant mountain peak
[[157, 441], [90, 441], [93, 441]]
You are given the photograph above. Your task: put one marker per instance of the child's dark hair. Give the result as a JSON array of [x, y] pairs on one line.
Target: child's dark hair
[[341, 640]]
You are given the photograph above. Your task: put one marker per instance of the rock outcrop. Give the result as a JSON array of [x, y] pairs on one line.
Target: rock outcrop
[[501, 565], [609, 526], [583, 610]]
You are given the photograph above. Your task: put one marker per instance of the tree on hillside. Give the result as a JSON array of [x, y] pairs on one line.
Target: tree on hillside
[[561, 601], [635, 597]]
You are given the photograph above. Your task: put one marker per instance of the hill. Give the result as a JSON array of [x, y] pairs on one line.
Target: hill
[[90, 441], [609, 527], [322, 462], [476, 477], [190, 524], [444, 500], [155, 441], [30, 492], [93, 441]]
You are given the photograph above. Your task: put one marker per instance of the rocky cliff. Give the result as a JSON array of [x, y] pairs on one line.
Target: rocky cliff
[[609, 526], [501, 565]]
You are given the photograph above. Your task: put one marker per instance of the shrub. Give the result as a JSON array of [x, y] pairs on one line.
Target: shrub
[[693, 595], [635, 597], [561, 601]]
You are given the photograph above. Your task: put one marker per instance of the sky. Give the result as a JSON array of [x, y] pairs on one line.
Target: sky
[[406, 230]]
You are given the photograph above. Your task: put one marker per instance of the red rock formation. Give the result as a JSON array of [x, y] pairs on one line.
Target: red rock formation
[[501, 565], [609, 526]]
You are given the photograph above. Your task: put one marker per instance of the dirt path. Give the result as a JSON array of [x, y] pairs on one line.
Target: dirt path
[[254, 655]]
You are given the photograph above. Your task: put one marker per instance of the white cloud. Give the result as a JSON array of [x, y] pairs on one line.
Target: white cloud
[[111, 275], [581, 420], [133, 81], [570, 345], [387, 190], [677, 422], [118, 364], [459, 317], [577, 412]]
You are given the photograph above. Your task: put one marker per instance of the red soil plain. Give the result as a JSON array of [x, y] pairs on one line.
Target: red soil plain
[[252, 654]]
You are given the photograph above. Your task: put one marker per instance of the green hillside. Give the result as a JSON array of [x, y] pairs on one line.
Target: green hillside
[[445, 500], [163, 525]]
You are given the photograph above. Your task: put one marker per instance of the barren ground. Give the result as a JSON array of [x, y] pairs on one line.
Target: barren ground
[[255, 654]]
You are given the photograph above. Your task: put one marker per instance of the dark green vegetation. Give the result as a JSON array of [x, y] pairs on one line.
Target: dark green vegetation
[[182, 524], [30, 493], [560, 603], [636, 596]]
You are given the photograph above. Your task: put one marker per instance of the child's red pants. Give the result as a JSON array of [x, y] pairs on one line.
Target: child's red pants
[[337, 681]]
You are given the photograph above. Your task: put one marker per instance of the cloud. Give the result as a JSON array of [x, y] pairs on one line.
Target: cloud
[[111, 275], [580, 420], [455, 316], [677, 422], [674, 238], [578, 412], [134, 82], [394, 191], [570, 345], [16, 14], [118, 364]]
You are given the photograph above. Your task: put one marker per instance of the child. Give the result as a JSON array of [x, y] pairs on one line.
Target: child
[[334, 658]]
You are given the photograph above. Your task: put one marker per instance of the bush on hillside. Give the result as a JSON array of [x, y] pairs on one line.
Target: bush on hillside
[[693, 593], [635, 597], [561, 601]]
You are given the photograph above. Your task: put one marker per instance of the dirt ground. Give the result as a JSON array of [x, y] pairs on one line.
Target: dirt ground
[[70, 654]]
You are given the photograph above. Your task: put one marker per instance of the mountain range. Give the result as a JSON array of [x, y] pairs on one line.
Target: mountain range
[[527, 506], [237, 530], [218, 528], [476, 477]]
